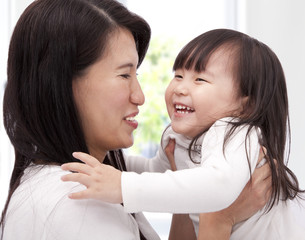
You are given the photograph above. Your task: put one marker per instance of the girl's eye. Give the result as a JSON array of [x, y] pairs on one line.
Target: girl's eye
[[178, 76], [201, 80]]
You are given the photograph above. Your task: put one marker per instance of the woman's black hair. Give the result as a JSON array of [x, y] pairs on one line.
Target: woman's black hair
[[260, 78], [55, 41]]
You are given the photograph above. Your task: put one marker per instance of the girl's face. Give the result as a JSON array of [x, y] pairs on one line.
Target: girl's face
[[195, 100], [107, 96]]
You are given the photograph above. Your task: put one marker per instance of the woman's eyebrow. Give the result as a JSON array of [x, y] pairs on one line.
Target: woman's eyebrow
[[126, 65]]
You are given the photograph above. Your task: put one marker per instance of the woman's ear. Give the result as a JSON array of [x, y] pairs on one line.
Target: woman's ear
[[244, 106]]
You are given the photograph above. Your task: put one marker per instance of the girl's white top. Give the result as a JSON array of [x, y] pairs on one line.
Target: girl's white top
[[41, 210], [211, 185]]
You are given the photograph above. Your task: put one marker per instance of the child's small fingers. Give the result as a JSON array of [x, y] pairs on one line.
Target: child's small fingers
[[77, 167], [79, 195], [86, 158], [76, 177]]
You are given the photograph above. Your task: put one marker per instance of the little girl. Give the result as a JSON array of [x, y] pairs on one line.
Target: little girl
[[228, 98]]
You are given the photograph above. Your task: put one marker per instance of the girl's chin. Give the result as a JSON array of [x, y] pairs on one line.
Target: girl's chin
[[180, 129]]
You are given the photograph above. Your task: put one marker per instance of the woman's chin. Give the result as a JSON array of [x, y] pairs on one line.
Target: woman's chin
[[128, 143]]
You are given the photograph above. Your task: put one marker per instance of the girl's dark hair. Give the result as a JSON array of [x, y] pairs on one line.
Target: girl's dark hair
[[259, 77], [53, 42]]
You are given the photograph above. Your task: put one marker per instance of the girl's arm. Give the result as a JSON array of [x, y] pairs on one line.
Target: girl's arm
[[211, 187]]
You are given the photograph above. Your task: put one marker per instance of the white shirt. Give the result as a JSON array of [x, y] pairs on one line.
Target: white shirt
[[209, 186], [41, 210]]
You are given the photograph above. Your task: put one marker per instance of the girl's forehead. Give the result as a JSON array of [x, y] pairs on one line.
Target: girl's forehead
[[220, 54]]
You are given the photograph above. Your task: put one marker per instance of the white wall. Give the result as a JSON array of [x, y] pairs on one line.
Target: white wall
[[10, 11], [5, 149], [280, 24]]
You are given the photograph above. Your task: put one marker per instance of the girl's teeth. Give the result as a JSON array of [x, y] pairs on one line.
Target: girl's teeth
[[182, 112], [178, 107]]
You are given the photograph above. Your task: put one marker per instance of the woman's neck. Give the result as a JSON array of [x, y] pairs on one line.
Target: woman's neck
[[98, 154]]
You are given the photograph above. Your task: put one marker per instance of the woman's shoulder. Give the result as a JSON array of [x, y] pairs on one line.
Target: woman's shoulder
[[46, 179], [42, 197], [43, 190]]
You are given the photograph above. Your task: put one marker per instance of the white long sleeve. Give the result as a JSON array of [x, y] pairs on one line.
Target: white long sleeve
[[140, 164], [211, 187]]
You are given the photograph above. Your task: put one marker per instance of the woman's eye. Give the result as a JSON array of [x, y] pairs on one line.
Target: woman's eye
[[126, 76]]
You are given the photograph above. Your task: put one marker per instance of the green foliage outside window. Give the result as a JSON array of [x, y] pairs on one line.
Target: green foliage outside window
[[155, 73]]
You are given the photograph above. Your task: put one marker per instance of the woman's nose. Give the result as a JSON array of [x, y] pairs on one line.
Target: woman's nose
[[137, 96]]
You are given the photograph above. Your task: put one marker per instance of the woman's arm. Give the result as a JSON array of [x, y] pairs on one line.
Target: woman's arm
[[182, 228], [214, 226], [218, 225], [158, 163], [140, 164]]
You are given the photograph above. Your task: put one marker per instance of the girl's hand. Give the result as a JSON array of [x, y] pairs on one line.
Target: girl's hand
[[103, 182]]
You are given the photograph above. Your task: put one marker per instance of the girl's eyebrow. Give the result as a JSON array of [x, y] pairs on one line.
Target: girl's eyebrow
[[207, 72]]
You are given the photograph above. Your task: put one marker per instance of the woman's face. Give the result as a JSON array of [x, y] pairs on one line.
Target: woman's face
[[108, 95]]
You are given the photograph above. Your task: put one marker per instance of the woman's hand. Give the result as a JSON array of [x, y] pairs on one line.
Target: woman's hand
[[103, 182], [181, 226], [169, 151], [255, 195]]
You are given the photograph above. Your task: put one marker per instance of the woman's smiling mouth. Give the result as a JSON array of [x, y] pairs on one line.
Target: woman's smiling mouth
[[131, 120]]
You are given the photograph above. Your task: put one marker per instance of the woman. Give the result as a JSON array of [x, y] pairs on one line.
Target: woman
[[72, 86]]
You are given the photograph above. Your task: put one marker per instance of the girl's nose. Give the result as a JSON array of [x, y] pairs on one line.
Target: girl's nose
[[137, 96], [180, 90]]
